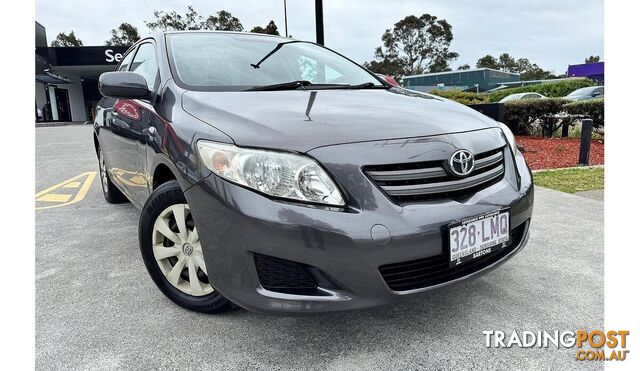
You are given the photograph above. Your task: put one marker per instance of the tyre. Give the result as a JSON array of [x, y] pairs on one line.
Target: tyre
[[172, 251], [111, 193]]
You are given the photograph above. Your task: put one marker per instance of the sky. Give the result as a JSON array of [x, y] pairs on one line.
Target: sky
[[551, 33]]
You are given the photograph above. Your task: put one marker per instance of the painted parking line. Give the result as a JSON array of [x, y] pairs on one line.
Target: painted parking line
[[66, 192]]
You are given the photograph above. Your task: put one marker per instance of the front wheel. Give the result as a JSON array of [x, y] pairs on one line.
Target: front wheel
[[172, 251]]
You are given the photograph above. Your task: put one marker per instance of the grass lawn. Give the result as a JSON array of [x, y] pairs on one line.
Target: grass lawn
[[571, 180]]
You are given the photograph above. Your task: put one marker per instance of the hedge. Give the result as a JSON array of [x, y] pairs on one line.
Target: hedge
[[550, 90], [593, 108], [462, 96], [523, 116]]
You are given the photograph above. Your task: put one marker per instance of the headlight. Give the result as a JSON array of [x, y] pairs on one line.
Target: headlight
[[278, 174], [510, 137]]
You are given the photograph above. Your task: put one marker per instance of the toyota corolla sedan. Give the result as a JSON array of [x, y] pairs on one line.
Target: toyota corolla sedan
[[279, 176]]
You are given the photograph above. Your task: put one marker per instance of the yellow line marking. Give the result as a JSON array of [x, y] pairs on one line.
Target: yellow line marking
[[57, 197], [72, 185], [54, 197]]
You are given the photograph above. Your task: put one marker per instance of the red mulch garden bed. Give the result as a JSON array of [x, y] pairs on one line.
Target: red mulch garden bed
[[553, 153]]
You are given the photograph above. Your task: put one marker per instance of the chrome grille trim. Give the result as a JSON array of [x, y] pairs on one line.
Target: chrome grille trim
[[441, 187], [435, 172], [488, 161], [417, 181]]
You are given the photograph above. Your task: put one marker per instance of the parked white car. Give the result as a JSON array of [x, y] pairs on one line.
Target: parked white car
[[521, 96], [591, 92]]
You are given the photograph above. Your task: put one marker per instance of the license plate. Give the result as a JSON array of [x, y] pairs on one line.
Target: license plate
[[476, 237]]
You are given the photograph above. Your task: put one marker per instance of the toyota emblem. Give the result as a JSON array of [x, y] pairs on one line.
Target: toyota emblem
[[461, 162]]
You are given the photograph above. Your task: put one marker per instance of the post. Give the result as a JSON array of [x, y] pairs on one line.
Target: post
[[565, 130], [547, 131], [319, 23], [585, 141], [286, 27]]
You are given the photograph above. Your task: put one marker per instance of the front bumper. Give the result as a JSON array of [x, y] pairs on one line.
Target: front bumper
[[235, 223]]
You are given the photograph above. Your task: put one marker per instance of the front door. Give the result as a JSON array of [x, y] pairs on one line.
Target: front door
[[131, 120]]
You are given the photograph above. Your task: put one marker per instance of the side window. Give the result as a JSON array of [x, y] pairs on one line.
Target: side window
[[145, 64], [126, 61]]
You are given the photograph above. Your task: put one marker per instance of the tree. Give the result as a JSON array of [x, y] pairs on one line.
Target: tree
[[441, 64], [66, 40], [271, 29], [389, 64], [592, 59], [191, 20], [507, 63], [124, 35], [172, 21], [223, 21], [464, 67], [413, 46], [488, 61]]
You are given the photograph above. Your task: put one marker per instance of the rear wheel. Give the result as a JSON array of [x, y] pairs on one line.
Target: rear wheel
[[172, 251], [111, 193]]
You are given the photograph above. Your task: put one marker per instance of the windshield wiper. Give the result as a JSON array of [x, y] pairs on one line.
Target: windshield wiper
[[366, 85], [272, 52], [292, 85]]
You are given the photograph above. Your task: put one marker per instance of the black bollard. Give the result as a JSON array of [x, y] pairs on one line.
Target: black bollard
[[585, 141]]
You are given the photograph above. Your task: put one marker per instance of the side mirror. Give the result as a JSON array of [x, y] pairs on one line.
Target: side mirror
[[125, 85]]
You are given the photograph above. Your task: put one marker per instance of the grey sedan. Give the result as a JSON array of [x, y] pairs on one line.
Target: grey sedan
[[280, 176]]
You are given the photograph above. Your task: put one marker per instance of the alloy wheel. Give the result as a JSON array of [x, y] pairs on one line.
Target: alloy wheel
[[178, 252]]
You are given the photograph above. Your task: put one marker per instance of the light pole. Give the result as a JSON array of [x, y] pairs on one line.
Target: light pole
[[319, 23], [286, 29]]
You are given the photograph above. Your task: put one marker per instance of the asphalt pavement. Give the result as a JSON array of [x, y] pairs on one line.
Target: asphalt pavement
[[96, 307]]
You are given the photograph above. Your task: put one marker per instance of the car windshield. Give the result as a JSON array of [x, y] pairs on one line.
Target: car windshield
[[580, 92], [511, 97], [233, 62]]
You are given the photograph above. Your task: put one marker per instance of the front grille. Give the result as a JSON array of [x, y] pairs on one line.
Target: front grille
[[283, 275], [419, 181], [434, 270]]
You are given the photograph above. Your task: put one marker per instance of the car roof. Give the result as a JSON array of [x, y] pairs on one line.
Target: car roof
[[521, 94], [586, 88]]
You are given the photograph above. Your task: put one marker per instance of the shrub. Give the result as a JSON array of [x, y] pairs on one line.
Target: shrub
[[461, 96], [593, 108], [523, 117], [551, 90]]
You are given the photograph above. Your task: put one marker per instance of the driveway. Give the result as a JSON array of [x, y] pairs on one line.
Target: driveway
[[96, 307]]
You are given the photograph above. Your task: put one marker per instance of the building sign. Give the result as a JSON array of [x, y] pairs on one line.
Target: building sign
[[83, 56]]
